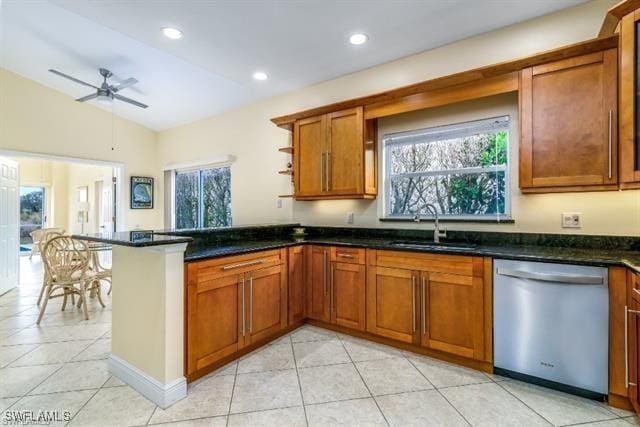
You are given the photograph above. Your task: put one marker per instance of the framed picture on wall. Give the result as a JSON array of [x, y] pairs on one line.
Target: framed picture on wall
[[141, 192]]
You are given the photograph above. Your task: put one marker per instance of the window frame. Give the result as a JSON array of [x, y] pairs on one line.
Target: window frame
[[412, 138], [199, 169]]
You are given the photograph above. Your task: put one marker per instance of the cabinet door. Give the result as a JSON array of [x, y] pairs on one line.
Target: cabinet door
[[634, 344], [266, 299], [317, 283], [309, 141], [214, 320], [568, 122], [629, 98], [345, 151], [296, 284], [348, 295], [452, 318], [392, 303]]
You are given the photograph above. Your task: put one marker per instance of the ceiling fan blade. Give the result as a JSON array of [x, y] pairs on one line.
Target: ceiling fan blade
[[73, 79], [129, 100], [124, 84], [87, 98]]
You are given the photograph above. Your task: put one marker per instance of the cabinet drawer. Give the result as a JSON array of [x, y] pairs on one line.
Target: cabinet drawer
[[203, 271], [348, 255], [437, 263]]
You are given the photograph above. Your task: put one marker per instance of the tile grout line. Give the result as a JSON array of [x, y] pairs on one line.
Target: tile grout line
[[233, 389], [52, 363], [88, 400], [521, 401], [439, 392], [295, 363], [371, 396]]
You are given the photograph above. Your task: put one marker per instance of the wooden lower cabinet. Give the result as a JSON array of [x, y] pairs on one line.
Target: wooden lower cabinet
[[296, 284], [336, 286], [348, 295], [633, 336], [391, 303], [452, 314], [317, 286], [266, 302], [231, 303], [440, 302]]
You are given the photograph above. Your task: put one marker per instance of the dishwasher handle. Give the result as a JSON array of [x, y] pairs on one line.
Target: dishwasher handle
[[556, 277]]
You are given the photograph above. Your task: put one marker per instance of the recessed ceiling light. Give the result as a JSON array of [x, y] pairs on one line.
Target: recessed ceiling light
[[172, 33], [358, 38], [260, 75]]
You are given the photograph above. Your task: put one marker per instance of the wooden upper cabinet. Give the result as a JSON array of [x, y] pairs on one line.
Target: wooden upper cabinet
[[310, 147], [334, 156], [568, 124], [345, 152], [629, 113]]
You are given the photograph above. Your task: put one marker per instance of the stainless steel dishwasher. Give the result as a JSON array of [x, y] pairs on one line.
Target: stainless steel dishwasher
[[551, 325]]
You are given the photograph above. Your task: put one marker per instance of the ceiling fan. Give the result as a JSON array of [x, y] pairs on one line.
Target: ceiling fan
[[105, 91]]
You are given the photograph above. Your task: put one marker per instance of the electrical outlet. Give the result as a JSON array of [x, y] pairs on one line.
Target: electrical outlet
[[350, 218], [279, 203], [571, 220]]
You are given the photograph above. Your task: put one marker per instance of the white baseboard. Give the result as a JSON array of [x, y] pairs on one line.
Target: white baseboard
[[163, 395]]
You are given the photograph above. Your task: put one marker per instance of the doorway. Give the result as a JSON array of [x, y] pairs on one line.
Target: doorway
[[32, 214]]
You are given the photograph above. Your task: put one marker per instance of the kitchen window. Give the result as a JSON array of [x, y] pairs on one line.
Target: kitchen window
[[203, 198], [461, 169]]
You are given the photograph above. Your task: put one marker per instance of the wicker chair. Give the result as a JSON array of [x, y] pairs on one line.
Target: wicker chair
[[68, 273], [40, 238], [43, 239]]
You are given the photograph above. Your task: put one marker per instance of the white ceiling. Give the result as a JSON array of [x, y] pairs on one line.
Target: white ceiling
[[297, 43]]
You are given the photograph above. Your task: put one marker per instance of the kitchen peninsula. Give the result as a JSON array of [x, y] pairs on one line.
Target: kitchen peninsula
[[187, 302]]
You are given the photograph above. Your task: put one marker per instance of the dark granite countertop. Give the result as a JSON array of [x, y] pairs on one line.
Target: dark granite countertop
[[598, 257], [134, 238], [205, 244]]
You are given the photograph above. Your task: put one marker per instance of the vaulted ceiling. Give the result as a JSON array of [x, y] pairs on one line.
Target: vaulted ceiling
[[210, 69]]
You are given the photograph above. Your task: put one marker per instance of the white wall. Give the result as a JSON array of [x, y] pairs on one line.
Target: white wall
[[37, 119], [248, 134], [61, 181]]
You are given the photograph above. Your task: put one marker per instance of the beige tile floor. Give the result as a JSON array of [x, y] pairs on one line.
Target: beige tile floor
[[309, 377]]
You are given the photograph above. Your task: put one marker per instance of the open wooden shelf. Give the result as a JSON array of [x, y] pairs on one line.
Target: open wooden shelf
[[288, 149]]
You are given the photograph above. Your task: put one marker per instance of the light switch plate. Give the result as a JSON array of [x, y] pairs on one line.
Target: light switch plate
[[571, 220]]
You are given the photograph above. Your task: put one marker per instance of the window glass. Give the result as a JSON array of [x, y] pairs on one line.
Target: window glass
[[203, 198], [461, 169]]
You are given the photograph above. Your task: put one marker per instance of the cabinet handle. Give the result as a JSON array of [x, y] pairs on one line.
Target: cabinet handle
[[345, 255], [322, 171], [610, 139], [328, 170], [250, 303], [333, 292], [242, 264], [424, 305], [243, 316], [627, 311], [413, 302], [324, 273]]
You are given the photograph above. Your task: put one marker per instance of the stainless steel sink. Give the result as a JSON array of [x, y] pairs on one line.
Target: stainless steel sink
[[433, 245]]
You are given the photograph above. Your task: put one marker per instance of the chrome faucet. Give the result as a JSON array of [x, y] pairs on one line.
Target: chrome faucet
[[437, 234]]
